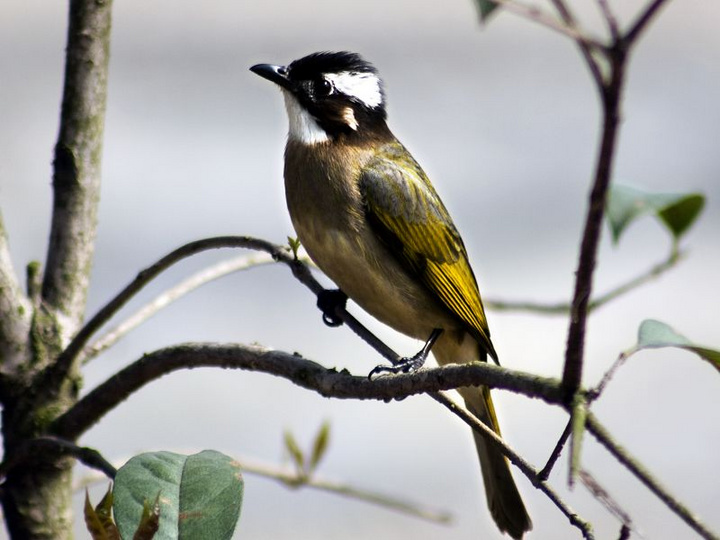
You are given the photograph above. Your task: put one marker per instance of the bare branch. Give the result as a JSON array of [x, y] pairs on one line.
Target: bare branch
[[15, 312], [68, 356], [563, 308], [78, 153], [536, 15], [544, 474], [635, 467], [527, 469], [572, 371], [292, 480], [186, 286], [584, 46], [610, 19], [304, 373], [604, 498], [43, 447], [643, 21], [341, 488]]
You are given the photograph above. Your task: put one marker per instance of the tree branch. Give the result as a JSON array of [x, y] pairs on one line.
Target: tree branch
[[610, 19], [71, 352], [15, 313], [536, 15], [304, 373], [572, 371], [78, 153], [643, 21], [563, 308], [179, 290], [42, 447], [585, 49], [635, 467], [527, 469], [293, 480]]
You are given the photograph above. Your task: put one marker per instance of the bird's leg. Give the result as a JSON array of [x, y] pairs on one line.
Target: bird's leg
[[328, 301], [409, 364]]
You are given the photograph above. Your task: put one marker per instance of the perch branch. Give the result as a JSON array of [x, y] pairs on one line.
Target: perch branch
[[305, 373]]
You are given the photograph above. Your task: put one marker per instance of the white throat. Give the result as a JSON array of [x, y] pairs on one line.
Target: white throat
[[303, 127]]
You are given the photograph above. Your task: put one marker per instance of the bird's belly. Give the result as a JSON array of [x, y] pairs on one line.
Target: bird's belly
[[370, 275]]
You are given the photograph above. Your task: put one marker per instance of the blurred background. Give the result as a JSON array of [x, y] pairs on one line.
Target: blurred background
[[504, 119]]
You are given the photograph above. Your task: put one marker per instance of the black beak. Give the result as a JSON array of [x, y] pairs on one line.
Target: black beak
[[276, 74]]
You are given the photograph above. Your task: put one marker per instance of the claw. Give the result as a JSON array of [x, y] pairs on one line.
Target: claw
[[328, 302], [409, 364]]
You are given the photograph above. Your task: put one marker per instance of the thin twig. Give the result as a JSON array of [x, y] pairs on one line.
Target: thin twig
[[603, 497], [595, 393], [211, 273], [643, 21], [66, 358], [536, 15], [569, 19], [42, 447], [635, 467], [610, 19], [527, 469], [291, 479], [544, 474], [563, 308]]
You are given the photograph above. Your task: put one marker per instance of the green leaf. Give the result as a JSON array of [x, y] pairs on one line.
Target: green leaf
[[485, 8], [295, 452], [98, 520], [654, 334], [677, 211], [199, 496], [149, 520], [294, 244], [320, 445]]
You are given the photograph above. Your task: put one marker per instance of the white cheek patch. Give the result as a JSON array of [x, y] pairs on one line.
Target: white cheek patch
[[360, 85], [303, 127]]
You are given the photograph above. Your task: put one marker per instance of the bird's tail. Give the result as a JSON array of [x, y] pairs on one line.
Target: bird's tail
[[503, 498], [506, 505]]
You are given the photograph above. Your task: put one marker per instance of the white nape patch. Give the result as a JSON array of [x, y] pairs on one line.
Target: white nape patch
[[361, 85], [303, 127]]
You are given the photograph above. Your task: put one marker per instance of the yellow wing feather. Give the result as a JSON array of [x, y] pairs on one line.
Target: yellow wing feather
[[411, 219]]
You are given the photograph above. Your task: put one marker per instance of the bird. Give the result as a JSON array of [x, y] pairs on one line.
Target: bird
[[370, 219]]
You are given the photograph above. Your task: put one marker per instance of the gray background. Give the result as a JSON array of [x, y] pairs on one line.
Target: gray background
[[505, 121]]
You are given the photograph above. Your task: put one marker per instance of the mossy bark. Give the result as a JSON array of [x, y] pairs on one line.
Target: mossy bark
[[36, 388]]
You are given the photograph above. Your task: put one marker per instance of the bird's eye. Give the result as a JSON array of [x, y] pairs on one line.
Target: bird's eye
[[323, 88]]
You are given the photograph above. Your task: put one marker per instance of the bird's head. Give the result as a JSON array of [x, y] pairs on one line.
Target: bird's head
[[329, 95]]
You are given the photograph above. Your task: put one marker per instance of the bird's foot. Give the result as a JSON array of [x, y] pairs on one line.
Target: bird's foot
[[329, 300], [409, 364]]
